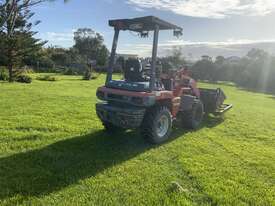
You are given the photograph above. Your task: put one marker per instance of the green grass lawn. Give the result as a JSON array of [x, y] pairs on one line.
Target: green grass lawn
[[54, 151]]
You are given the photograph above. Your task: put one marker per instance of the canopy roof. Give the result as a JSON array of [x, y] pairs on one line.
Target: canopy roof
[[141, 24]]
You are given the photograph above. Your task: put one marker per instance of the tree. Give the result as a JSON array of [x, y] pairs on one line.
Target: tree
[[204, 69], [255, 71], [17, 41], [9, 7], [90, 45], [219, 60], [257, 54], [173, 61]]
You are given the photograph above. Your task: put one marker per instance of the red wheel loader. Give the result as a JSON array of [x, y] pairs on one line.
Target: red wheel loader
[[150, 101]]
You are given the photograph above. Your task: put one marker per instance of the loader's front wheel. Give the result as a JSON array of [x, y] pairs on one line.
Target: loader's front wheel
[[192, 119], [157, 125]]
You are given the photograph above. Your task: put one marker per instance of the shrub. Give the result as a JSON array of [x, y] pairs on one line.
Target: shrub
[[3, 74], [20, 75], [87, 75], [70, 71], [27, 70], [47, 78], [23, 78]]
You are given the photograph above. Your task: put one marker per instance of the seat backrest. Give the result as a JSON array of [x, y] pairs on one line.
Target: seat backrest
[[133, 70], [168, 84]]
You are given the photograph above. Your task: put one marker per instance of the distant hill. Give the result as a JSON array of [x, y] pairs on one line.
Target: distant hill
[[195, 51]]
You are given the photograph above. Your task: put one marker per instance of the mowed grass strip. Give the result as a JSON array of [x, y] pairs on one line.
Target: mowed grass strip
[[54, 151]]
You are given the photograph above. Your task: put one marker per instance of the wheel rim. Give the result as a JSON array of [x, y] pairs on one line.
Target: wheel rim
[[162, 126]]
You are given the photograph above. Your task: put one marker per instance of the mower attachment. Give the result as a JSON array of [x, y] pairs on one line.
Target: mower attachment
[[213, 101], [223, 108]]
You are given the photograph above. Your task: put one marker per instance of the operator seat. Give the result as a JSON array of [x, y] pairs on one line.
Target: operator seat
[[133, 71]]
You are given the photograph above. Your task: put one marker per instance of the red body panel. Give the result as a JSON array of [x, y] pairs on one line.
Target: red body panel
[[172, 96], [124, 92]]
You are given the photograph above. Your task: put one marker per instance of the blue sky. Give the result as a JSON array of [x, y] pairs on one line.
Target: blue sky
[[210, 26]]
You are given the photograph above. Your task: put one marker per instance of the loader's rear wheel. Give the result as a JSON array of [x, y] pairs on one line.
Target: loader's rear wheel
[[192, 119], [157, 125]]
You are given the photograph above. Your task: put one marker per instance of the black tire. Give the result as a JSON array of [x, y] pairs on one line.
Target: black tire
[[151, 125], [192, 119]]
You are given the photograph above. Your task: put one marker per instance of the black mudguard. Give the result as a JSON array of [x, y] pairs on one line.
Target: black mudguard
[[187, 102]]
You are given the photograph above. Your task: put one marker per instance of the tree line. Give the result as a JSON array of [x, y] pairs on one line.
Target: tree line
[[20, 48], [87, 52], [255, 71]]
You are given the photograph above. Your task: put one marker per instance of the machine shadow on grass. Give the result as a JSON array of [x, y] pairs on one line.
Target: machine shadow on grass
[[211, 121], [43, 171], [63, 163]]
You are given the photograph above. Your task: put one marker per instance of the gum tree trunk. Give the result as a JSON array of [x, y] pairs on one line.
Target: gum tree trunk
[[10, 72]]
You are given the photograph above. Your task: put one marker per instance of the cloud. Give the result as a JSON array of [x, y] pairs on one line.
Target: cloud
[[228, 42], [142, 50], [62, 36], [62, 39], [209, 8], [230, 47]]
